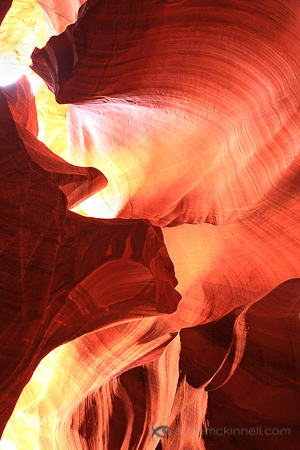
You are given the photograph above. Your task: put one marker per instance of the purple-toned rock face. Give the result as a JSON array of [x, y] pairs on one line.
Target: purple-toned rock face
[[183, 148]]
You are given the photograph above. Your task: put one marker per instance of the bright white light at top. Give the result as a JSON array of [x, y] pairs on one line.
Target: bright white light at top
[[7, 445], [8, 73]]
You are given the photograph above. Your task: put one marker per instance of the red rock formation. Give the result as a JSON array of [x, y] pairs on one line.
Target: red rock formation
[[58, 15], [191, 111], [64, 275], [210, 104]]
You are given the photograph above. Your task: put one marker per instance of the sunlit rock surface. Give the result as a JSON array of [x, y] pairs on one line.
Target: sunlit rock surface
[[58, 15], [190, 111], [63, 275], [22, 29]]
